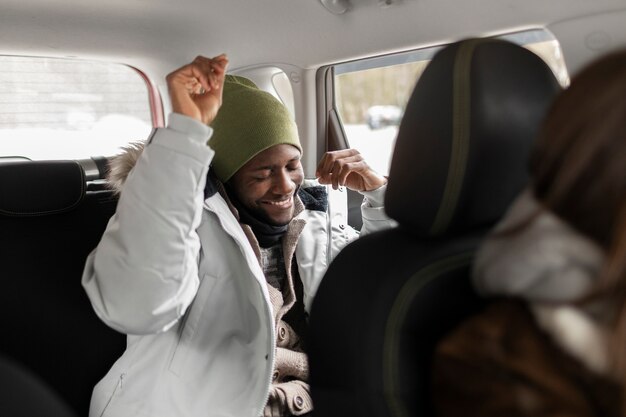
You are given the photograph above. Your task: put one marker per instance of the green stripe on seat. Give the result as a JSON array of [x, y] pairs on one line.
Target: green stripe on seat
[[397, 318], [461, 104]]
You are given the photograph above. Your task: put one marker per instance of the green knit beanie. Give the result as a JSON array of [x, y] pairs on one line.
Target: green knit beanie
[[249, 121]]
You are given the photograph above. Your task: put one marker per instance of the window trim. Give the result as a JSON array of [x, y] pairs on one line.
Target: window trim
[[157, 111]]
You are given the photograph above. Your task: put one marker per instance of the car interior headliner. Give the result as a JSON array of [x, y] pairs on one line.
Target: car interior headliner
[[156, 35]]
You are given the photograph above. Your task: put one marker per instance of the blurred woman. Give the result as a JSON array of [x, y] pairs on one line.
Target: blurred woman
[[553, 340]]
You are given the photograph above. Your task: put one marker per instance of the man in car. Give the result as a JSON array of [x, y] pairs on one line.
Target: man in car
[[211, 271]]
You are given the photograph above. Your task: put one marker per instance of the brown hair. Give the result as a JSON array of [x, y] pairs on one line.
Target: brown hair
[[578, 170]]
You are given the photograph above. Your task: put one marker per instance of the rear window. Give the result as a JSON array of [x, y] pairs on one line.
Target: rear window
[[70, 109]]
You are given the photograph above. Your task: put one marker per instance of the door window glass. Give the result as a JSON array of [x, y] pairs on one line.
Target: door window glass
[[371, 94]]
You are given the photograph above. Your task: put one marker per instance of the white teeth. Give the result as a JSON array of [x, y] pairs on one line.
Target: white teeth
[[281, 203]]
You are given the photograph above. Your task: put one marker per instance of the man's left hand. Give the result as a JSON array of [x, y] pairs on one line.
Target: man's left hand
[[347, 168]]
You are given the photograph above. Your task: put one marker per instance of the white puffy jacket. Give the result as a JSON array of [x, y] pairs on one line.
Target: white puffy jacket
[[177, 274]]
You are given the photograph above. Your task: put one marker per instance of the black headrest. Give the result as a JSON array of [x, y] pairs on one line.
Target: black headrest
[[36, 188], [461, 152]]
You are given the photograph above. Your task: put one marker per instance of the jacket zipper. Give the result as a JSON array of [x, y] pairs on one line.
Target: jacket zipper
[[119, 385]]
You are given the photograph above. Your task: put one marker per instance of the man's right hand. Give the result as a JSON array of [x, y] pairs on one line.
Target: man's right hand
[[196, 89]]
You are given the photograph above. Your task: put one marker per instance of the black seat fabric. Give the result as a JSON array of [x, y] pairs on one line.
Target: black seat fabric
[[459, 161], [26, 395], [49, 224]]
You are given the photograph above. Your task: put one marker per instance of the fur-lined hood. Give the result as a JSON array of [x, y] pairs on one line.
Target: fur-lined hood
[[121, 165]]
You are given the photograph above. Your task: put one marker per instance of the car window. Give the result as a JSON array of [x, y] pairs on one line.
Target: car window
[[371, 94], [70, 109]]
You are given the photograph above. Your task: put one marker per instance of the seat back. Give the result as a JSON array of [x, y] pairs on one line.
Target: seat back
[[459, 160], [50, 222], [24, 394]]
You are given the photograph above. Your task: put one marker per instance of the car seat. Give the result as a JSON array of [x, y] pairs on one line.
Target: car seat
[[50, 221], [459, 161], [26, 395]]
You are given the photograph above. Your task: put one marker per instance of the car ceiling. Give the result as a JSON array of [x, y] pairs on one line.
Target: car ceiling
[[158, 34]]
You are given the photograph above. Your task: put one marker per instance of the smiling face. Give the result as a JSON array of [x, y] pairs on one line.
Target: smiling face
[[266, 184]]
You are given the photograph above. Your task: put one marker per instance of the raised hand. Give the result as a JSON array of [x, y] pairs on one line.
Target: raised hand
[[196, 89], [347, 168]]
